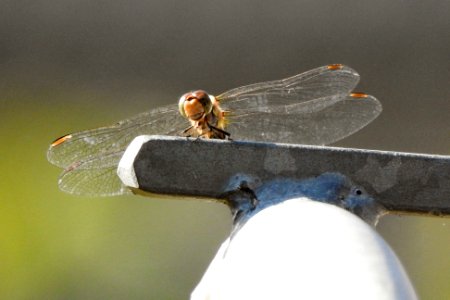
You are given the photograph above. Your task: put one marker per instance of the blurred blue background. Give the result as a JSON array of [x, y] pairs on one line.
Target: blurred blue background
[[72, 65]]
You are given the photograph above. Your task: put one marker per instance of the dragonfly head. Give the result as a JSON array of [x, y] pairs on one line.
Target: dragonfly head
[[195, 105]]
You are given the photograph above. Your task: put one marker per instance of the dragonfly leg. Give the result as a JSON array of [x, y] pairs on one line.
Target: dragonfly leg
[[186, 132], [223, 134]]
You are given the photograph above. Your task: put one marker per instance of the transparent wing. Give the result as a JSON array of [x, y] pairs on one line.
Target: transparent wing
[[328, 83], [314, 107], [95, 145], [310, 124], [84, 179], [90, 157]]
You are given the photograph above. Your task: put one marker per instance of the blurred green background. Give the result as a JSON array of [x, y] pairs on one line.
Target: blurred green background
[[71, 65]]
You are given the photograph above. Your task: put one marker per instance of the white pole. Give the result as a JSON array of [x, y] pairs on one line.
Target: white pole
[[303, 249]]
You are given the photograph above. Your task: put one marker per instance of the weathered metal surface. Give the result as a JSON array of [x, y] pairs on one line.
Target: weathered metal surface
[[408, 182]]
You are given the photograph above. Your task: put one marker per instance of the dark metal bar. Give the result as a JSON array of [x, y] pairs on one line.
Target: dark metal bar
[[405, 182]]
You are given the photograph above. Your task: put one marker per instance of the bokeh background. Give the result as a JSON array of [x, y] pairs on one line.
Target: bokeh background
[[71, 65]]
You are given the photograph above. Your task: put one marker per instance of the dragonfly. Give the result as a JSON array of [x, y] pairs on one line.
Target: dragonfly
[[316, 107]]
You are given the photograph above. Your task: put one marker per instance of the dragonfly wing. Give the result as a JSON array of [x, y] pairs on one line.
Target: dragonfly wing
[[95, 144], [335, 81], [82, 179], [305, 125], [90, 158]]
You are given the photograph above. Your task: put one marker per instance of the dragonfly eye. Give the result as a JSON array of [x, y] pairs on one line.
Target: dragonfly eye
[[195, 105]]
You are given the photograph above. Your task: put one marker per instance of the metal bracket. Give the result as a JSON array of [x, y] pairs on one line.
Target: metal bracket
[[402, 182]]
